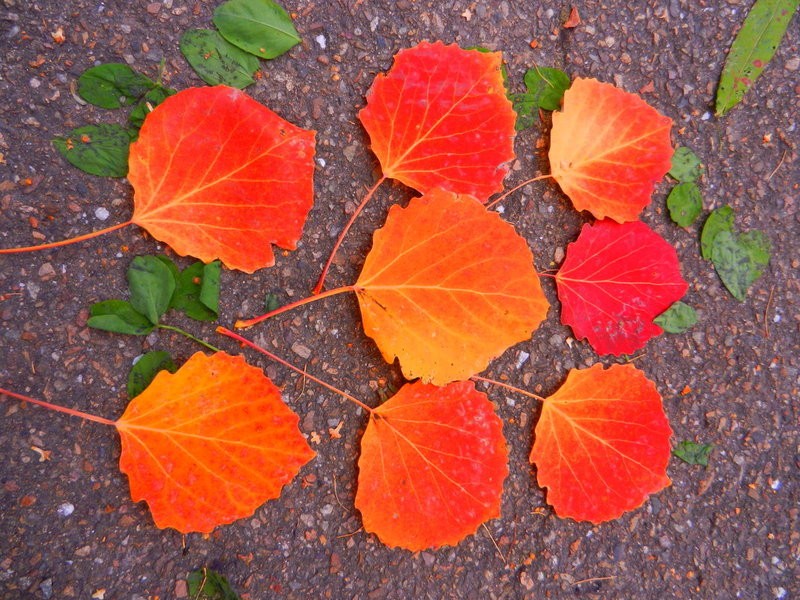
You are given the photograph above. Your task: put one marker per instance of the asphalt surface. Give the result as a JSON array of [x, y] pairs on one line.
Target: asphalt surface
[[68, 528]]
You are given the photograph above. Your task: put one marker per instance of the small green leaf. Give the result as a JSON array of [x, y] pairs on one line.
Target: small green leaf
[[547, 86], [719, 220], [692, 453], [677, 318], [525, 107], [187, 294], [216, 60], [118, 316], [271, 302], [741, 260], [753, 48], [173, 268], [145, 369], [113, 85], [685, 203], [260, 27], [205, 584], [151, 284], [686, 165], [97, 149], [146, 105], [209, 286]]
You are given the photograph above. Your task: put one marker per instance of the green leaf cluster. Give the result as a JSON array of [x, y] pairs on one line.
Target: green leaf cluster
[[248, 30], [685, 202], [103, 149], [545, 87], [739, 259]]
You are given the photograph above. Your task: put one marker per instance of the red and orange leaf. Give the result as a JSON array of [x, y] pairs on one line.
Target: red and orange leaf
[[218, 175], [615, 280], [602, 443], [440, 118], [608, 149], [432, 466], [209, 444], [447, 287]]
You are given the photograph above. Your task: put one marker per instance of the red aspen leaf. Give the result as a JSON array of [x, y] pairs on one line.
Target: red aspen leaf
[[616, 278], [447, 287], [209, 444], [432, 466], [218, 175], [608, 149], [441, 118], [602, 443]]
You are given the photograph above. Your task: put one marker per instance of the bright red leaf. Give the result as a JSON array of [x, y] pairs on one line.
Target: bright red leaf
[[432, 466], [602, 443], [440, 118], [209, 444], [447, 287], [608, 149], [615, 280], [218, 175]]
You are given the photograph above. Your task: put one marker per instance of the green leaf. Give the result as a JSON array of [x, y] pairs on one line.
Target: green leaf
[[525, 107], [188, 291], [685, 203], [206, 584], [216, 60], [677, 318], [209, 286], [719, 220], [173, 268], [271, 302], [151, 284], [113, 85], [146, 105], [145, 369], [547, 86], [692, 453], [118, 316], [741, 260], [686, 165], [97, 149], [753, 48], [260, 27]]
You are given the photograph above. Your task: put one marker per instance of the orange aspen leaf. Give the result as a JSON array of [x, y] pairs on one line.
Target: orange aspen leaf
[[608, 149], [433, 461], [602, 443], [447, 287]]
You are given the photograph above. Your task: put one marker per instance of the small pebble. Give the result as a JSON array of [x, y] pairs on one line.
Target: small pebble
[[321, 41], [66, 509], [792, 64], [101, 213]]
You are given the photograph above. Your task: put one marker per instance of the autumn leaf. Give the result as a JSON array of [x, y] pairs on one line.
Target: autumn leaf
[[209, 444], [447, 287], [602, 443], [440, 118], [218, 175], [615, 279], [432, 466], [608, 149]]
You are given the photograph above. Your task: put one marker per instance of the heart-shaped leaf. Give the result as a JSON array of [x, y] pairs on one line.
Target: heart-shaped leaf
[[740, 260]]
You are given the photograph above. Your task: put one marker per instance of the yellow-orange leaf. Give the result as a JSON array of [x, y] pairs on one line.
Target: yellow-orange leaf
[[432, 466], [209, 444], [602, 443], [608, 149], [447, 287], [218, 175], [441, 118]]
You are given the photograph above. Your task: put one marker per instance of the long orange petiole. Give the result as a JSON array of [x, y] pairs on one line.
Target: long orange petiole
[[508, 387], [244, 324], [503, 196], [80, 238], [318, 288], [278, 359], [69, 411]]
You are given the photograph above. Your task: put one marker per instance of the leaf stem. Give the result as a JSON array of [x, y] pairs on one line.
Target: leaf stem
[[508, 387], [80, 238], [235, 336], [318, 288], [69, 411], [515, 188], [190, 336], [244, 324]]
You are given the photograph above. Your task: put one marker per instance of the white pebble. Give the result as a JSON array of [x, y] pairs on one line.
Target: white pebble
[[101, 213], [321, 162], [320, 39], [35, 82], [66, 509], [706, 116], [776, 485]]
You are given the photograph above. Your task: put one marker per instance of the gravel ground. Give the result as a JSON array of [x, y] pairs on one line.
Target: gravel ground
[[68, 528]]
